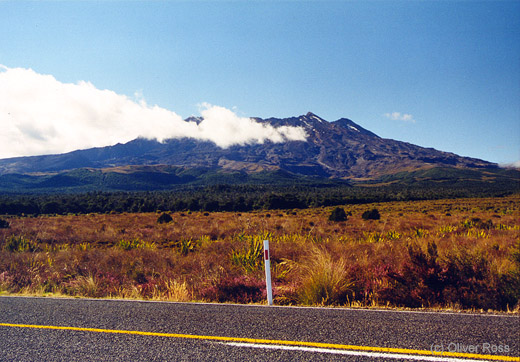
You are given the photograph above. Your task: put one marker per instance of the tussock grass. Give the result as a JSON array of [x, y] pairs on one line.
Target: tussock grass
[[322, 279], [436, 254]]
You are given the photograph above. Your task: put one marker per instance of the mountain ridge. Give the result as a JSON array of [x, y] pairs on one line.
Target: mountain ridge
[[339, 149]]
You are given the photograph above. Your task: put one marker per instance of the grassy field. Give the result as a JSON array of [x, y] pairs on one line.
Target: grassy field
[[462, 254]]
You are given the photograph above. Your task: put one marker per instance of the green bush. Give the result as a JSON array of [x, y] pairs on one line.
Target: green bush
[[371, 215], [164, 218], [338, 214], [4, 224]]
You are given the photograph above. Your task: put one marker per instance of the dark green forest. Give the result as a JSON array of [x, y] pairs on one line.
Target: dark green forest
[[176, 189], [236, 198]]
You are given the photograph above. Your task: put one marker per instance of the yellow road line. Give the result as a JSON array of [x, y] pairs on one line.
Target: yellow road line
[[274, 341]]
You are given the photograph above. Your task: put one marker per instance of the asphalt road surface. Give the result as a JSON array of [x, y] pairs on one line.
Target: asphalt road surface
[[47, 329]]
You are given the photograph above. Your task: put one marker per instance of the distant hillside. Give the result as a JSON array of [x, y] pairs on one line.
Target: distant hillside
[[150, 178]]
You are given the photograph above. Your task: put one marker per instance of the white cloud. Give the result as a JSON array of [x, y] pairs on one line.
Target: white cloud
[[225, 128], [398, 116], [515, 164], [41, 115]]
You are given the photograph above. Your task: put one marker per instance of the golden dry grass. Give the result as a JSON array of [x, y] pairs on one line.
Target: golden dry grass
[[362, 262]]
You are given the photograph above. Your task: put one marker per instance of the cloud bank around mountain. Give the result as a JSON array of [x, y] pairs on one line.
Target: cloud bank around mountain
[[41, 115]]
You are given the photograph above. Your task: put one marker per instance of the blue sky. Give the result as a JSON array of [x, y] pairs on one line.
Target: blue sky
[[442, 74]]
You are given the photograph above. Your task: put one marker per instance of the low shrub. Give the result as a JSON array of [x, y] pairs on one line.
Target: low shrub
[[164, 218], [510, 281], [372, 214], [338, 214], [459, 278], [4, 224]]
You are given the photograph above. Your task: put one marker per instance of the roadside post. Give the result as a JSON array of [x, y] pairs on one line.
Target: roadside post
[[267, 260]]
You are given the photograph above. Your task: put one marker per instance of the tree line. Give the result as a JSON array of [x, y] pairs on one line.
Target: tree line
[[230, 198]]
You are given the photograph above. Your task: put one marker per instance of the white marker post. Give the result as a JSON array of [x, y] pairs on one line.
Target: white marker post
[[267, 260]]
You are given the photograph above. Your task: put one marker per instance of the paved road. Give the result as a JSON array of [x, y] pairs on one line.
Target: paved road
[[45, 329]]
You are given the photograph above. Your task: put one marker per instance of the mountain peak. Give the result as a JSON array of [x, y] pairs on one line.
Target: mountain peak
[[312, 116], [354, 127], [197, 120]]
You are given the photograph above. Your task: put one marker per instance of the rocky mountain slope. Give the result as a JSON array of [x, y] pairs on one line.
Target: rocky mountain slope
[[339, 149]]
